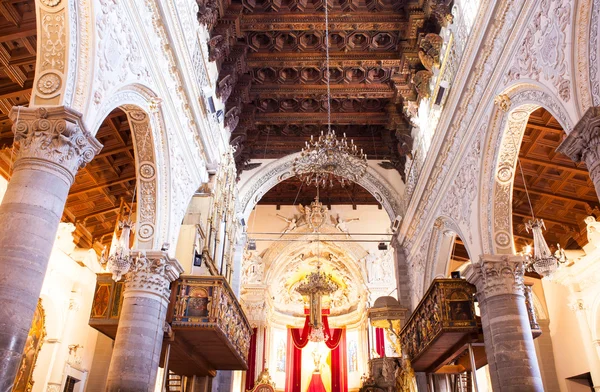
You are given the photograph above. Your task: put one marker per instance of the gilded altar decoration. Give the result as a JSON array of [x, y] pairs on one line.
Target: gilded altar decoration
[[263, 383], [33, 344], [315, 286]]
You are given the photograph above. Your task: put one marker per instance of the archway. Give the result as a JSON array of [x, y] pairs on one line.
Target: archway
[[277, 171], [500, 161]]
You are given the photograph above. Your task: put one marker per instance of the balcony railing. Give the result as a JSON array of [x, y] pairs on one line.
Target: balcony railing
[[205, 312], [444, 319], [210, 330]]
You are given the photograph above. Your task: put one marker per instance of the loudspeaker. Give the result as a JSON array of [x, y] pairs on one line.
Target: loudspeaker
[[455, 274], [211, 105], [251, 245], [382, 246], [197, 259]]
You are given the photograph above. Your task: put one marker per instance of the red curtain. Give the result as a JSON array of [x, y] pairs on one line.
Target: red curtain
[[293, 365], [339, 365], [379, 342], [251, 372], [300, 337], [335, 341]]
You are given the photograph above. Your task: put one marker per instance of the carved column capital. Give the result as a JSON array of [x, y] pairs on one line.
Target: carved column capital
[[151, 273], [583, 143], [53, 135], [497, 274]]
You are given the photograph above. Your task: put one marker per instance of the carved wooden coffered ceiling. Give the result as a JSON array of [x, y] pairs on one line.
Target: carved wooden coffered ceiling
[[561, 192], [271, 58]]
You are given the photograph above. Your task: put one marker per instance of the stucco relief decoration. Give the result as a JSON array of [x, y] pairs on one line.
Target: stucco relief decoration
[[49, 83], [119, 53], [458, 202], [461, 118], [153, 272], [146, 167], [53, 38], [253, 268], [593, 47], [543, 54], [50, 3]]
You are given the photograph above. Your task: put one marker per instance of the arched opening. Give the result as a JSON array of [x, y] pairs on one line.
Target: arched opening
[[550, 186]]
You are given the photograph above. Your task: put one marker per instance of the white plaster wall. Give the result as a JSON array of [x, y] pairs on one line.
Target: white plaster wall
[[371, 220], [569, 352]]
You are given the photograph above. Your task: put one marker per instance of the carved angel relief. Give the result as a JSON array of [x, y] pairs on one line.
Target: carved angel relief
[[430, 48]]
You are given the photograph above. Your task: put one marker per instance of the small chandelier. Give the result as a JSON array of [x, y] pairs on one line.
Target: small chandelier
[[119, 259], [543, 261], [315, 285], [328, 158]]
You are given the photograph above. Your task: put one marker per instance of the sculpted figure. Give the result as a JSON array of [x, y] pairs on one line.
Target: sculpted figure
[[291, 224], [342, 224], [431, 45]]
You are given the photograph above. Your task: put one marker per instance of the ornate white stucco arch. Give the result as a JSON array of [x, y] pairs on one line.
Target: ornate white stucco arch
[[151, 160], [444, 231], [503, 142], [277, 171]]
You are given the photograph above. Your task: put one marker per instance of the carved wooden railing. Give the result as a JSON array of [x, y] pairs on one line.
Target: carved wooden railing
[[207, 302], [447, 307]]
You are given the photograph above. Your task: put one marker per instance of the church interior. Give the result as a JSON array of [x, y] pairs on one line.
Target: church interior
[[299, 195]]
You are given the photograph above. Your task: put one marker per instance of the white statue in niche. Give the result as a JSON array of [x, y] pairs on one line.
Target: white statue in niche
[[593, 230], [373, 270], [342, 224], [253, 268]]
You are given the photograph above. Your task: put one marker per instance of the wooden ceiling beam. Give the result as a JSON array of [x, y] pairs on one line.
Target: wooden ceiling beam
[[546, 219], [550, 164], [17, 32], [102, 185], [546, 128], [358, 91], [540, 192], [114, 151], [375, 118], [315, 59], [311, 21]]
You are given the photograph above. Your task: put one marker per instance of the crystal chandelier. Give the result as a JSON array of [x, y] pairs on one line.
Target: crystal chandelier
[[328, 158], [119, 259], [543, 261], [315, 285]]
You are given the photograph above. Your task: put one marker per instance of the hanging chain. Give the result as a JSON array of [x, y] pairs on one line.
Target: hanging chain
[[327, 66]]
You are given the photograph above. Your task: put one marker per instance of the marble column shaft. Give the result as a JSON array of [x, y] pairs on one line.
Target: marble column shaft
[[505, 321], [583, 144], [136, 353], [52, 144]]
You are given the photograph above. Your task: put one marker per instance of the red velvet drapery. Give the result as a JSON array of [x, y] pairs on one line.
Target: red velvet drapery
[[251, 373], [335, 341], [379, 342], [300, 337], [339, 365], [293, 365]]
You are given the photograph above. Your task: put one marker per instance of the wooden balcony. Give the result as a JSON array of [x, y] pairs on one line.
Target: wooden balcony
[[209, 328], [442, 326]]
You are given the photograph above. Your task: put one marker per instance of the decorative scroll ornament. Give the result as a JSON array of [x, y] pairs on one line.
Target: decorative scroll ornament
[[315, 285], [543, 261], [327, 159]]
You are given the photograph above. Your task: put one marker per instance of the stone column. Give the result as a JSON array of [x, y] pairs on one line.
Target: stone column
[[136, 353], [583, 144], [506, 329], [52, 145]]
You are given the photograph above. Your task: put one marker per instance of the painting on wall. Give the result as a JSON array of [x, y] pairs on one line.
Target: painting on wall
[[352, 356], [33, 344], [198, 303], [281, 355]]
